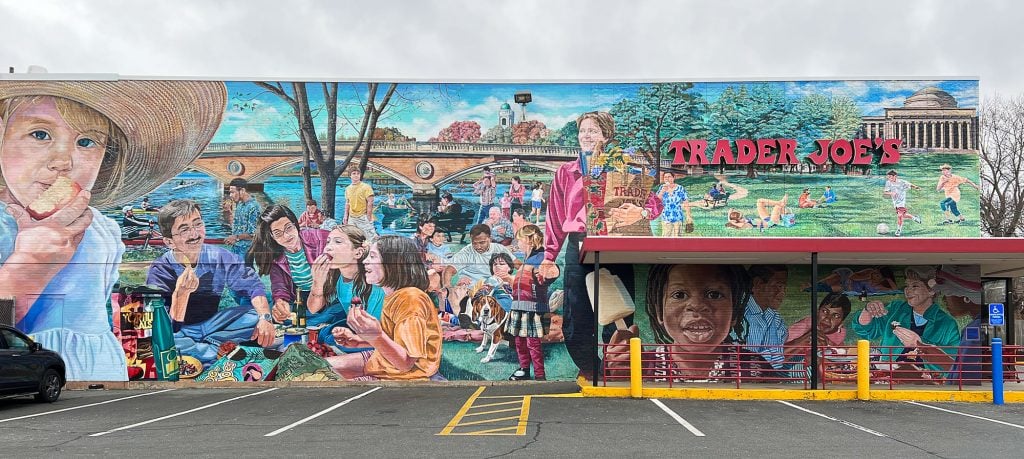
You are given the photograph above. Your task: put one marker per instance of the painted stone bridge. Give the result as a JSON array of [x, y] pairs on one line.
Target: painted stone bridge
[[423, 166]]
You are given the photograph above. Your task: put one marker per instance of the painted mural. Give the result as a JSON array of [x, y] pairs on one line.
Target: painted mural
[[721, 322], [198, 229]]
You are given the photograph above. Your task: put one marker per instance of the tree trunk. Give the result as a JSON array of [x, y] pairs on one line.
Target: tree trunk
[[307, 181], [328, 185]]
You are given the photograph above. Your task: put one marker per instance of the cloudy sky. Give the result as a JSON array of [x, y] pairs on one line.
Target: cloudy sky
[[473, 40]]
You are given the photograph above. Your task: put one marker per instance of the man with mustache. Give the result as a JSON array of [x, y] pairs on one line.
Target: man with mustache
[[192, 276]]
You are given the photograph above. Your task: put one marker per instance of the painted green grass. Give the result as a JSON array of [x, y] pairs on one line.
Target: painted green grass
[[460, 362], [860, 207]]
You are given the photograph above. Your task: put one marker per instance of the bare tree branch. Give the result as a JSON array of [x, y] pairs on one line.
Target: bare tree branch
[[1002, 166]]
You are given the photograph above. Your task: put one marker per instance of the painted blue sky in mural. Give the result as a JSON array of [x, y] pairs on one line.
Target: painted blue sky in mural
[[422, 110]]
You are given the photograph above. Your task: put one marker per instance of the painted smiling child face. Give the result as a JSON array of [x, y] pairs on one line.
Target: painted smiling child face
[[41, 148], [697, 306]]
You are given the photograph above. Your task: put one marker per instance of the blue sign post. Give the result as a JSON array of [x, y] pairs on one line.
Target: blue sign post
[[997, 371], [995, 314]]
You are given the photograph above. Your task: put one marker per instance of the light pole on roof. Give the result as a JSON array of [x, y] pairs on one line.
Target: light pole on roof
[[522, 98]]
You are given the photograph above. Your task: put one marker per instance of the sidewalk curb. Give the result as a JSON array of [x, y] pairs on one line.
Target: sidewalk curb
[[190, 384], [691, 393]]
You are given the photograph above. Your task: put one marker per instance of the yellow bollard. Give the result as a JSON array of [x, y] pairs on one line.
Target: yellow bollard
[[635, 369], [863, 370]]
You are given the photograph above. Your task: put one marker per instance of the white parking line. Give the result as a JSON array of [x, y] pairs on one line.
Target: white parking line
[[968, 415], [321, 413], [846, 423], [82, 406], [678, 418], [193, 410]]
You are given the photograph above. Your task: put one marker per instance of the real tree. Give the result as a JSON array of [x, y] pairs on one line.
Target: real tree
[[1002, 166]]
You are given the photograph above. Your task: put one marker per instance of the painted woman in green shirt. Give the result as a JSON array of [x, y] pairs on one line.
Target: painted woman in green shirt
[[916, 331]]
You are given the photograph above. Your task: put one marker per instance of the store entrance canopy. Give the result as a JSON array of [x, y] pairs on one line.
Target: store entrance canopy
[[998, 257]]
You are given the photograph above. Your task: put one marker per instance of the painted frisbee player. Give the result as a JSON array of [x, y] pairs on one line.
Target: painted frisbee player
[[67, 146]]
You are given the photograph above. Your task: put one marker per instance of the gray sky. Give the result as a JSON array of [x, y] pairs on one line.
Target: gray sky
[[464, 40]]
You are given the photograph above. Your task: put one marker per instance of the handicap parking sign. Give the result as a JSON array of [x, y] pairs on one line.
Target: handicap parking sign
[[995, 314]]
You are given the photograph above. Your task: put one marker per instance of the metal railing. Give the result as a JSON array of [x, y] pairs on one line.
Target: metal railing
[[670, 365], [403, 146]]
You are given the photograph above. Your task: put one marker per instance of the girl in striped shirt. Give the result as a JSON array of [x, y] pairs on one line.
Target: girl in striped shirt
[[286, 253]]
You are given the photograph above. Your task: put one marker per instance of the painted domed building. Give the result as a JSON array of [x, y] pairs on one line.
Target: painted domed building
[[929, 120]]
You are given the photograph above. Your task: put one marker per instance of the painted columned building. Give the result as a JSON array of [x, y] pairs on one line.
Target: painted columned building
[[929, 120]]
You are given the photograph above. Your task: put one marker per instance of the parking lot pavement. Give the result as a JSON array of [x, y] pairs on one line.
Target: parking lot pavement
[[409, 421]]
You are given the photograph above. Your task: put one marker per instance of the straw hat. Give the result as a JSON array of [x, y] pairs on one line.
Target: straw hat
[[167, 124]]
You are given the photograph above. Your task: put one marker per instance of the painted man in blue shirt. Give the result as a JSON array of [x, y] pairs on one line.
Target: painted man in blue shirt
[[193, 276], [766, 331], [246, 215]]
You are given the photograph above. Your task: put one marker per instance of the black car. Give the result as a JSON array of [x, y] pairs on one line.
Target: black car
[[26, 368]]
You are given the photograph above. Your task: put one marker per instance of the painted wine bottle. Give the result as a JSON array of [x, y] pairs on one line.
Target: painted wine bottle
[[165, 354], [300, 310]]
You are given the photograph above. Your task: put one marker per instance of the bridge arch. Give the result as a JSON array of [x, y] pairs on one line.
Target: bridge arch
[[499, 163], [198, 168], [284, 165]]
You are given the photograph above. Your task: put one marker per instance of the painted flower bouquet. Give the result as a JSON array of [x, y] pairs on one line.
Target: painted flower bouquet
[[616, 180]]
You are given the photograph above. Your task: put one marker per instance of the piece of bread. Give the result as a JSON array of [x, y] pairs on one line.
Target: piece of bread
[[58, 195]]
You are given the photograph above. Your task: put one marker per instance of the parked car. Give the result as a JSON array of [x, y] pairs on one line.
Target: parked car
[[27, 368]]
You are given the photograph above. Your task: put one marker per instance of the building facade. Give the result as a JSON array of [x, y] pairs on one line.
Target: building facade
[[196, 252]]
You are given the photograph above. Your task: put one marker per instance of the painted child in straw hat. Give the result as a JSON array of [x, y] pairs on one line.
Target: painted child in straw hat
[[65, 146]]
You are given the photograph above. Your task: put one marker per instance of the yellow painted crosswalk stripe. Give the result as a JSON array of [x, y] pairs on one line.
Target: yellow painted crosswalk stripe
[[497, 404], [494, 431], [485, 421], [493, 411], [462, 412], [523, 415], [482, 419]]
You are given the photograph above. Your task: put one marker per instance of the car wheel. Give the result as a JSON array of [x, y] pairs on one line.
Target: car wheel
[[49, 387]]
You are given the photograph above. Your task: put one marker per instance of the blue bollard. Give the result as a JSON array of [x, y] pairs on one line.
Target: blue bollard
[[997, 371]]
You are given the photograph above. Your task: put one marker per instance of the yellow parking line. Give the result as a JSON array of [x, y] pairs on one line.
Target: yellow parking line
[[491, 412], [523, 415], [462, 412], [493, 431], [496, 404], [485, 421]]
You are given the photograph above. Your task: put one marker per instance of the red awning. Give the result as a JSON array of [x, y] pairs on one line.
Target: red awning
[[998, 257]]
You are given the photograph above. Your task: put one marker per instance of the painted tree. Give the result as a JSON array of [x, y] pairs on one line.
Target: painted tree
[[813, 112], [324, 153], [567, 136], [1002, 166], [390, 134], [822, 117], [459, 131], [659, 114], [763, 111], [529, 132], [497, 134]]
